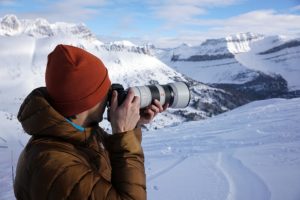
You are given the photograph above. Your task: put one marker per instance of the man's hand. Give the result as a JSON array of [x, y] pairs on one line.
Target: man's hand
[[150, 112], [125, 117]]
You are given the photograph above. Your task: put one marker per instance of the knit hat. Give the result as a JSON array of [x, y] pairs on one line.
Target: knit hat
[[76, 80]]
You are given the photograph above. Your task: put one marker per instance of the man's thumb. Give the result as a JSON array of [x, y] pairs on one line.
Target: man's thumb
[[114, 100]]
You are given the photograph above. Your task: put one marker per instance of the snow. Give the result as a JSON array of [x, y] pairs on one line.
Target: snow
[[23, 61], [10, 25], [225, 69], [217, 71], [124, 43], [284, 62], [252, 152], [240, 43], [246, 60]]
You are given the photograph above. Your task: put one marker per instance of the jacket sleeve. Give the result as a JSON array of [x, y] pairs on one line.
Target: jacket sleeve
[[127, 161], [128, 179]]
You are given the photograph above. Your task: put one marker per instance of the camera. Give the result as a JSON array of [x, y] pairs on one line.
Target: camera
[[177, 94]]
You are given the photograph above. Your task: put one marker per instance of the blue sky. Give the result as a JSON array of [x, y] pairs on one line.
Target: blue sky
[[166, 21]]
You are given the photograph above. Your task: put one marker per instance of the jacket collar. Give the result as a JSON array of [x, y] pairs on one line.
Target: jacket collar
[[39, 118]]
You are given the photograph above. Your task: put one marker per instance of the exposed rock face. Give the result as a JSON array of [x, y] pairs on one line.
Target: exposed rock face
[[199, 58], [261, 87], [290, 44]]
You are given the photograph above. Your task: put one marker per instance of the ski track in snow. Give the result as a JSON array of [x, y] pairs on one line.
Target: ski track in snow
[[167, 169], [6, 182], [243, 183]]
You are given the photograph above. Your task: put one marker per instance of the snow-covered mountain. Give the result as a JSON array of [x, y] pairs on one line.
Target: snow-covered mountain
[[238, 59], [25, 45], [10, 25]]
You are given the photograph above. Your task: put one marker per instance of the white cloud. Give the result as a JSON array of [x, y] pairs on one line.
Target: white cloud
[[296, 8], [179, 13], [64, 10], [7, 2], [192, 2], [186, 18], [176, 12], [262, 21], [268, 22], [73, 10]]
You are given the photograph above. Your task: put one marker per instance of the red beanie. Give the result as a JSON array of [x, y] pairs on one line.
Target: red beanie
[[75, 79]]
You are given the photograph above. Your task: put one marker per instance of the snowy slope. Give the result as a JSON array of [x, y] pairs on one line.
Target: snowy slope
[[23, 68], [252, 152], [12, 142], [238, 59]]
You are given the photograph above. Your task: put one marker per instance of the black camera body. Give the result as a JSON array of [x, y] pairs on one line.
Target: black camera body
[[122, 93]]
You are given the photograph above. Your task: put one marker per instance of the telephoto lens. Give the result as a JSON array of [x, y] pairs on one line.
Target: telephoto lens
[[177, 94]]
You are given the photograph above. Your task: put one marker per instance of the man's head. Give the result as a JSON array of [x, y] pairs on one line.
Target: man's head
[[76, 81]]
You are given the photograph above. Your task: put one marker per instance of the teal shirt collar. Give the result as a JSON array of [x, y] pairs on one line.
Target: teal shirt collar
[[79, 128]]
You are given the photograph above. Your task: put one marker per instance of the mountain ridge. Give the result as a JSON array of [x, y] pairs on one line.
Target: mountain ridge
[[229, 60], [10, 25], [128, 64]]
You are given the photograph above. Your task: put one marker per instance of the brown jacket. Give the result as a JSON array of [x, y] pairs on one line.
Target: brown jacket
[[60, 162]]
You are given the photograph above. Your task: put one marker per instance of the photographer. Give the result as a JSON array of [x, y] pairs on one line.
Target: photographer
[[69, 156]]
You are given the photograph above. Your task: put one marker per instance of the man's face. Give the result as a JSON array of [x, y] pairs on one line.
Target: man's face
[[96, 113]]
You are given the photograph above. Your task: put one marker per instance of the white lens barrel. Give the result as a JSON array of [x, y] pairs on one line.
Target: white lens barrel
[[178, 94], [182, 95], [162, 94], [145, 95]]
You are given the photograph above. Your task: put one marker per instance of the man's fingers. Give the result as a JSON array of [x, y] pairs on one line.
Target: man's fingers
[[129, 97], [157, 104], [114, 100], [165, 106], [154, 109], [136, 100], [150, 112]]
